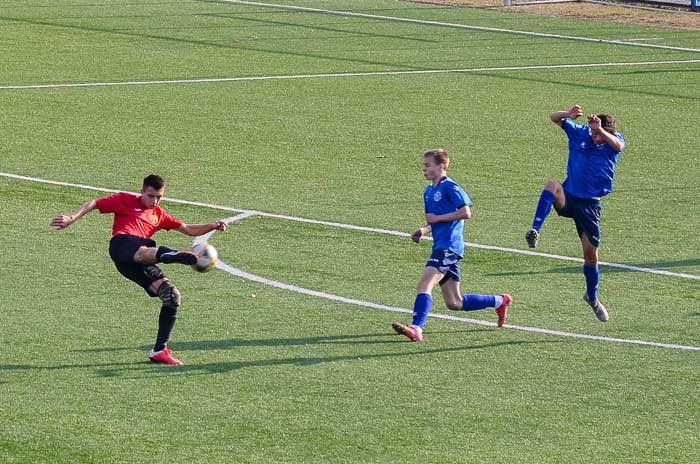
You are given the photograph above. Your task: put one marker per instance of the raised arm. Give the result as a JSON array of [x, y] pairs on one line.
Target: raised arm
[[61, 222], [194, 230], [597, 130], [558, 116]]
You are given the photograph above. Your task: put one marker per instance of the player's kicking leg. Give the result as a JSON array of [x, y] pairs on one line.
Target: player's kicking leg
[[165, 255]]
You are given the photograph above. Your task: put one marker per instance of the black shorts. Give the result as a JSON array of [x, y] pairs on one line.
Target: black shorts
[[122, 249], [586, 214]]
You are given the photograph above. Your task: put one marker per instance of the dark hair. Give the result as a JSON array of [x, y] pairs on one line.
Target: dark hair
[[154, 181], [608, 122], [438, 155]]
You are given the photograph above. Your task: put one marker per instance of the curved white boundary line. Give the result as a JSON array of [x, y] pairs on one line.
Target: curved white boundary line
[[340, 225], [368, 304]]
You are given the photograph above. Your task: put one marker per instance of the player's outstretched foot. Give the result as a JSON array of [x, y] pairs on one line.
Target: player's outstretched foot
[[532, 237], [600, 312], [502, 310], [411, 332], [181, 257], [164, 356]]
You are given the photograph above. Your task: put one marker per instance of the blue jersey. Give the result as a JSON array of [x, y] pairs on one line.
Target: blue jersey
[[591, 168], [444, 198]]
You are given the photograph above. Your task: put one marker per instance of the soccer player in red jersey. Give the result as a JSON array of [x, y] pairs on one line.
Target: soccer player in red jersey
[[135, 255]]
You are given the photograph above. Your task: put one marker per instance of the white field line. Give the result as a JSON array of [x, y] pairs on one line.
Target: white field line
[[339, 75], [248, 212], [237, 272], [454, 25], [367, 304]]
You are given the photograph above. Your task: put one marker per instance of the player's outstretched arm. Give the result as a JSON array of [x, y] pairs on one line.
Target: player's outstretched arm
[[61, 222], [194, 230], [558, 116]]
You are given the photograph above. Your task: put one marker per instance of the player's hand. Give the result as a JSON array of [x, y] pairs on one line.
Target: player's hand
[[431, 218], [61, 222], [575, 112], [594, 122], [416, 236], [220, 225]]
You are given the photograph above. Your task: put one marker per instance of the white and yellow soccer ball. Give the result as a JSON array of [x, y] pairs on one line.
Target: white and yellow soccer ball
[[207, 257]]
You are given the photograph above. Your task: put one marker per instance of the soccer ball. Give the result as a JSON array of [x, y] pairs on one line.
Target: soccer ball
[[206, 257]]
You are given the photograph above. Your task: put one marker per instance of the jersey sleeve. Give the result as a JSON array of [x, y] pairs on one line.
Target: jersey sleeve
[[458, 196], [110, 204], [620, 138], [168, 222], [573, 130]]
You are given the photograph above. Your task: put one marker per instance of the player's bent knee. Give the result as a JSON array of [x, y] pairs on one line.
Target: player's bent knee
[[169, 294]]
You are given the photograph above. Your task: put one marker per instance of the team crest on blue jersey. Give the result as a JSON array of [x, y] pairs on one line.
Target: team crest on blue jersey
[[437, 196]]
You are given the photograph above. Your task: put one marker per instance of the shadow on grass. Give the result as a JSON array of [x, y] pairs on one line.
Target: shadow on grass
[[229, 366], [314, 27], [121, 368], [656, 265], [632, 89], [227, 344], [210, 44]]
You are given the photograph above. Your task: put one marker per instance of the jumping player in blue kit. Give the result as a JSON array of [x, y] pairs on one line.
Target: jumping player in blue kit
[[593, 152], [446, 207]]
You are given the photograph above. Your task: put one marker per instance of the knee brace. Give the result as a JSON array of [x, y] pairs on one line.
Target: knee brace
[[169, 294], [154, 273]]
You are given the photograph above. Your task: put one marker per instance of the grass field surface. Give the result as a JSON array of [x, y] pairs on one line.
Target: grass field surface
[[273, 375]]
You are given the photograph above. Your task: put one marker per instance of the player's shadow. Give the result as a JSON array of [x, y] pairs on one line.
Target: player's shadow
[[146, 369], [359, 339], [229, 366], [233, 343]]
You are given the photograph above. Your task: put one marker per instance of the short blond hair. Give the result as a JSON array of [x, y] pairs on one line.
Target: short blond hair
[[439, 155]]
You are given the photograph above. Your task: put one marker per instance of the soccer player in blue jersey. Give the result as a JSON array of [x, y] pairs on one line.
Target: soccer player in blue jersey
[[447, 205], [593, 152]]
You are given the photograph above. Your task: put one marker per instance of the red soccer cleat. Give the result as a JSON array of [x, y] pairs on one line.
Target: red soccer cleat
[[502, 310], [164, 356], [416, 335]]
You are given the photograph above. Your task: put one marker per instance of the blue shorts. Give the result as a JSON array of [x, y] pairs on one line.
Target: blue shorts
[[447, 262], [586, 214]]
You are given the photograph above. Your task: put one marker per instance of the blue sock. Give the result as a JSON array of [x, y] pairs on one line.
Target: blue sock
[[474, 301], [544, 206], [592, 279], [421, 308]]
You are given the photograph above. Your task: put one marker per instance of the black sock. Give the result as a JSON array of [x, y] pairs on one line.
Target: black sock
[[166, 324], [161, 250]]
